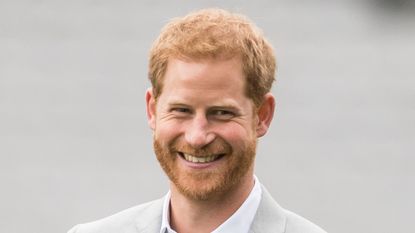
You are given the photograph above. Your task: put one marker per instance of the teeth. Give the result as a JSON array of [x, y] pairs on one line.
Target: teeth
[[195, 159]]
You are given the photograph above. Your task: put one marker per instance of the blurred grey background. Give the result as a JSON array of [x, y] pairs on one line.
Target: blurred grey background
[[75, 145]]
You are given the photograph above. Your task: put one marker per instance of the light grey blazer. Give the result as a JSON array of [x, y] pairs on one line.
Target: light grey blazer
[[146, 218]]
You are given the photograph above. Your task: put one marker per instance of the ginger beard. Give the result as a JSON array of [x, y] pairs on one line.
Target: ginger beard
[[210, 183]]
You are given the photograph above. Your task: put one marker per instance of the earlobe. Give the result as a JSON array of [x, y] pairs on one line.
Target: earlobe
[[151, 108], [265, 114]]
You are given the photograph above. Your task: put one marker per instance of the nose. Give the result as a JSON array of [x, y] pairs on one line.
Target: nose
[[197, 132]]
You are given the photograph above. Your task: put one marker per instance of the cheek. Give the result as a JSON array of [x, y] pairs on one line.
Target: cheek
[[236, 135], [167, 130]]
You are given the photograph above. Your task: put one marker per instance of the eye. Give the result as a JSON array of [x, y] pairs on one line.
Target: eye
[[222, 114], [180, 110]]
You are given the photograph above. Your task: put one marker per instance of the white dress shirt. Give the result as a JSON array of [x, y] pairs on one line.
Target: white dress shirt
[[239, 222]]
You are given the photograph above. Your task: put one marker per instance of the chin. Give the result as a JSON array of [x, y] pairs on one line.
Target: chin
[[207, 184], [202, 186]]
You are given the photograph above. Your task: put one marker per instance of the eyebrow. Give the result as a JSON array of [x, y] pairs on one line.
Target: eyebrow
[[225, 103], [178, 104], [216, 106], [181, 101], [225, 106]]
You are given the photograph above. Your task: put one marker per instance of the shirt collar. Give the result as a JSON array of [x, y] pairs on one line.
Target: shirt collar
[[240, 221], [165, 221]]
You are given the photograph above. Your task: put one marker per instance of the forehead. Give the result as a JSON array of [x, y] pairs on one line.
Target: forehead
[[205, 73], [205, 80]]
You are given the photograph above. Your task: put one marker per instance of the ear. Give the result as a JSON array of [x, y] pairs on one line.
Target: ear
[[151, 108], [265, 113]]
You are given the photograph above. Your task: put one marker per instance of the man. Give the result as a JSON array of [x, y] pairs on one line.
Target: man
[[211, 74]]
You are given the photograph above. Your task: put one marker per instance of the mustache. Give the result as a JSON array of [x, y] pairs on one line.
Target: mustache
[[218, 146]]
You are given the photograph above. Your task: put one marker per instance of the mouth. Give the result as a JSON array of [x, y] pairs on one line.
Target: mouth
[[204, 159]]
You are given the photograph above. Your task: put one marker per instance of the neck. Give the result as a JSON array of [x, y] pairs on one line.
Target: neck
[[188, 215]]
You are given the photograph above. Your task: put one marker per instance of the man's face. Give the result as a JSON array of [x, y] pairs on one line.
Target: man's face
[[204, 127]]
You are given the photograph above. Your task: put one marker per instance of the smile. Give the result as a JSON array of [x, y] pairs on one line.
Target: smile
[[204, 159]]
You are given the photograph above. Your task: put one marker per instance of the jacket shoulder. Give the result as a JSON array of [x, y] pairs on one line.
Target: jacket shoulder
[[127, 221], [298, 224], [272, 218]]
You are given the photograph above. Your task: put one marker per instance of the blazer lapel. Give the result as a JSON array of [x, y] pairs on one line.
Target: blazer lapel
[[270, 216], [149, 220], [152, 227]]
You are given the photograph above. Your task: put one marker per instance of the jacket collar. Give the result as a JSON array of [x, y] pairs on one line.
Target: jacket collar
[[270, 216], [149, 220]]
